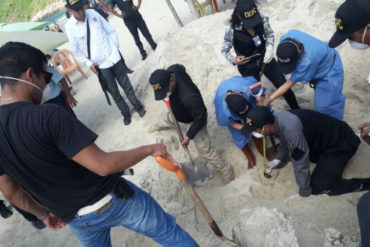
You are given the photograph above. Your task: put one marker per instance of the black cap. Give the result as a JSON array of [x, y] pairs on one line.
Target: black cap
[[351, 16], [248, 12], [74, 4], [287, 54], [160, 80], [257, 117], [237, 104]]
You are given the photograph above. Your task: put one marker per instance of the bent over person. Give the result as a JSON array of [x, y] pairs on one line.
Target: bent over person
[[50, 154]]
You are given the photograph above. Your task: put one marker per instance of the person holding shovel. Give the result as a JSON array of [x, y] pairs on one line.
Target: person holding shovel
[[310, 136], [312, 61], [187, 107], [251, 36], [232, 102]]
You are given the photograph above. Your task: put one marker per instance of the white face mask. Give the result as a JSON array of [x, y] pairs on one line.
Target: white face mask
[[357, 45], [27, 82], [258, 135], [168, 95]]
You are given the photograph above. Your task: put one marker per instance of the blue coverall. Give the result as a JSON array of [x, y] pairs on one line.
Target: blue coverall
[[321, 64]]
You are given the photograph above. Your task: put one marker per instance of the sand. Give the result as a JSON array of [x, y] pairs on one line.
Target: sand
[[251, 204]]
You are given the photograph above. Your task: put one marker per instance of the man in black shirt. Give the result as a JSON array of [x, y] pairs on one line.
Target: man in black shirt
[[306, 136], [133, 21], [188, 107], [52, 155]]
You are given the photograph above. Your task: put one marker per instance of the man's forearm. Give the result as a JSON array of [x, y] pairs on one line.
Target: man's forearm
[[19, 197], [65, 88]]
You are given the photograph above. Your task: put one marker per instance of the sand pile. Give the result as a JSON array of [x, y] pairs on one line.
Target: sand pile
[[253, 205]]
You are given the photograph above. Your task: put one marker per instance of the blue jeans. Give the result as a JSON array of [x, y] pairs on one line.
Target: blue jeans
[[140, 213], [363, 213]]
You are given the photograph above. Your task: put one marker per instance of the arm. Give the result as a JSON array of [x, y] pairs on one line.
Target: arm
[[365, 132], [94, 159], [70, 99], [279, 92], [236, 125], [136, 7], [227, 44], [80, 56], [122, 15], [20, 198], [109, 30]]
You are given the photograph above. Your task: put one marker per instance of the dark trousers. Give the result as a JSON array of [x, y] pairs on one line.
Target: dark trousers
[[117, 72], [273, 73], [327, 175], [28, 216], [363, 213], [134, 26], [61, 100]]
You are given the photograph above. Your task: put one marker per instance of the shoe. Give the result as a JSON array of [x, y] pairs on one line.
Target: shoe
[[154, 46], [126, 120], [156, 127], [129, 71], [141, 111], [4, 211], [143, 55], [38, 224]]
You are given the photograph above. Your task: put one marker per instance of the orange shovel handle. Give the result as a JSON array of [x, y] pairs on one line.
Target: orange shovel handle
[[170, 166]]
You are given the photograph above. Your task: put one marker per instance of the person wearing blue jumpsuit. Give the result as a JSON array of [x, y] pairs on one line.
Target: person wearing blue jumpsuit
[[225, 117], [310, 60]]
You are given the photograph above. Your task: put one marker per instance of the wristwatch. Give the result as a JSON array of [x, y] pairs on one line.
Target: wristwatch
[[45, 216]]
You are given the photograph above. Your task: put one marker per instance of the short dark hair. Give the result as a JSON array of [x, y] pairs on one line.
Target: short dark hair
[[16, 58]]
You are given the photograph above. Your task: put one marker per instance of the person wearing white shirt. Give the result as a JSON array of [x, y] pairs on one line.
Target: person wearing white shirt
[[104, 55]]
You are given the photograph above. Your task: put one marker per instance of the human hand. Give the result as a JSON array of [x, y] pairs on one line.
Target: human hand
[[71, 101], [269, 55], [186, 141], [122, 15], [265, 101], [93, 69], [54, 223], [239, 60], [136, 7], [158, 150], [365, 132]]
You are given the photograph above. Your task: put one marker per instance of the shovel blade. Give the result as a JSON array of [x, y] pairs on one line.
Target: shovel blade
[[196, 171]]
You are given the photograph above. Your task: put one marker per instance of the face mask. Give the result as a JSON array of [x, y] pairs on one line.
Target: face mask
[[168, 95], [27, 82], [357, 45], [258, 135]]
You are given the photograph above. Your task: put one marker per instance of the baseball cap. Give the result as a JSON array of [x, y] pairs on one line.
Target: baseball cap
[[237, 104], [74, 4], [257, 117], [248, 12], [287, 54], [160, 80], [351, 16]]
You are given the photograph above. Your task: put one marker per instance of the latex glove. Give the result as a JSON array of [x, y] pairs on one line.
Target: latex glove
[[269, 55], [273, 163]]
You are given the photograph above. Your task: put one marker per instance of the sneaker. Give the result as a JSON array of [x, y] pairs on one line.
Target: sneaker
[[4, 211], [141, 111], [126, 120], [143, 56], [38, 224]]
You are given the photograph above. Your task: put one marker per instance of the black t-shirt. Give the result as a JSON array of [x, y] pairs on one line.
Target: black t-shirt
[[37, 143], [126, 7]]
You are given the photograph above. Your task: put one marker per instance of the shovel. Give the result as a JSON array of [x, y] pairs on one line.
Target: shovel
[[171, 165], [194, 172]]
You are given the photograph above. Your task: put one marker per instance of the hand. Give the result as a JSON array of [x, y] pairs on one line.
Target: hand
[[265, 101], [93, 69], [54, 223], [365, 132], [158, 150], [186, 141], [122, 15], [71, 101], [239, 60], [269, 55], [136, 7]]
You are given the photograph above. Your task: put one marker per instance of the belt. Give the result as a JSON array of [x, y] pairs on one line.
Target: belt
[[97, 207]]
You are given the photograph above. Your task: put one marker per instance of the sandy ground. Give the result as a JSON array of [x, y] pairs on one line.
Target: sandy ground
[[257, 207]]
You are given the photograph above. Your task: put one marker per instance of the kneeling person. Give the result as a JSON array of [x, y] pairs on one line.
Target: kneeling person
[[188, 107], [306, 136]]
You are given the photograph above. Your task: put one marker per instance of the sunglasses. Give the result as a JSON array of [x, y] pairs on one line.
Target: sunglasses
[[47, 76]]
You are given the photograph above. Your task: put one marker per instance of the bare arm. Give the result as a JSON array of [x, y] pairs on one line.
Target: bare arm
[[70, 99], [20, 198], [279, 92], [138, 5], [122, 15], [236, 125], [103, 164]]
